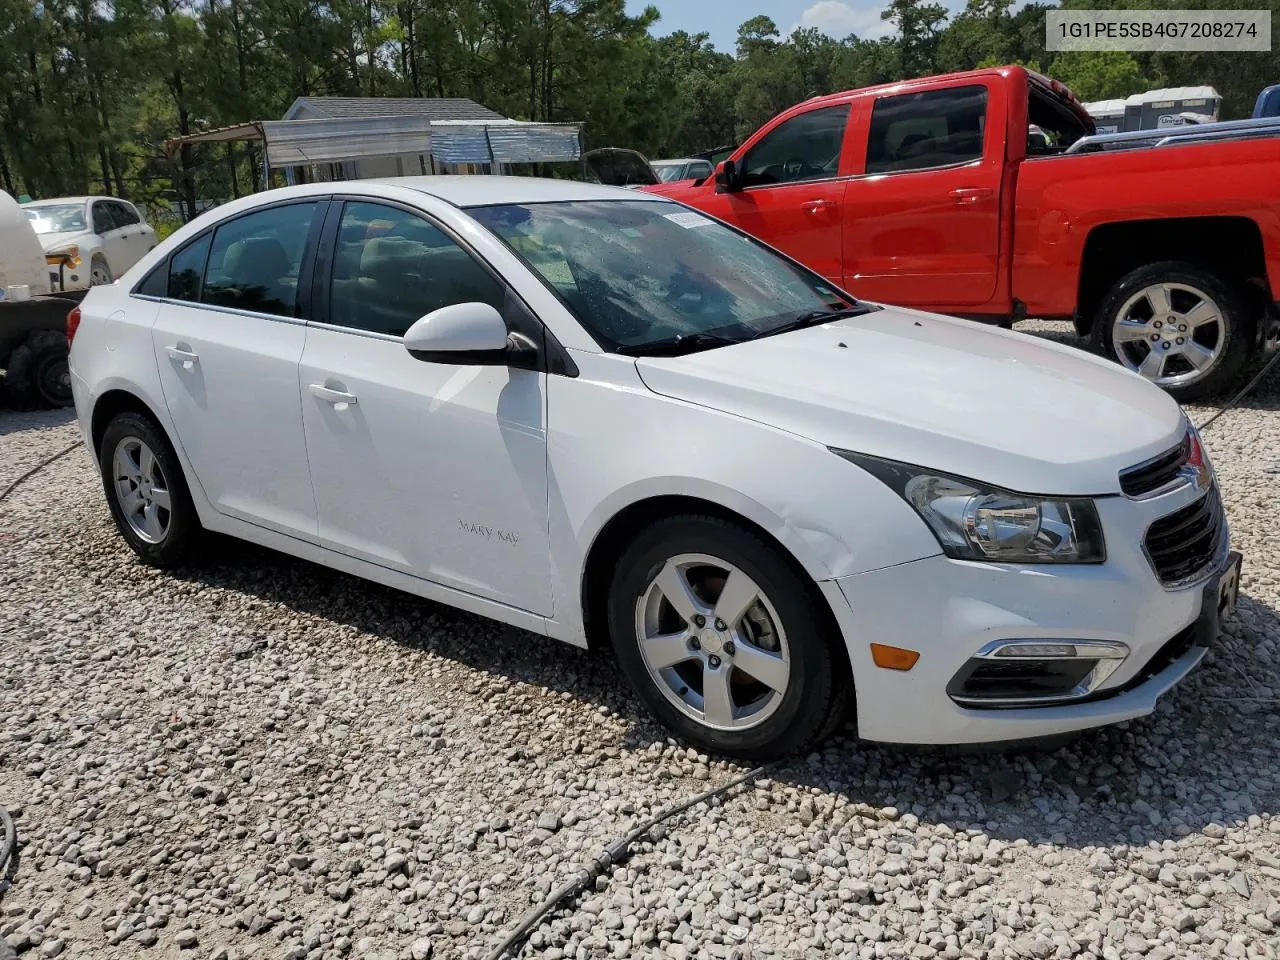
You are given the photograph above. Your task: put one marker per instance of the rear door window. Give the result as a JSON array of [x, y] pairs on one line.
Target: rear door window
[[919, 131], [186, 270], [123, 214], [255, 260]]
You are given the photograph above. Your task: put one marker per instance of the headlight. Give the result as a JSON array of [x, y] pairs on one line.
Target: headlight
[[976, 522], [70, 254]]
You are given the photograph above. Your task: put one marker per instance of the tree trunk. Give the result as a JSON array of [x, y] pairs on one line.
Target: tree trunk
[[231, 166], [369, 47], [254, 171], [548, 28], [5, 176], [413, 64]]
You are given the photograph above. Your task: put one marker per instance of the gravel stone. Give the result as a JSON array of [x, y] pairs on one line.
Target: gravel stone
[[258, 759]]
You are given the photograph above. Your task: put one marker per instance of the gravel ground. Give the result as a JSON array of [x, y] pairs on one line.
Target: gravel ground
[[265, 759]]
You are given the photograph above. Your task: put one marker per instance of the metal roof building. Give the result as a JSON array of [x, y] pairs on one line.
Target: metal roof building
[[351, 138]]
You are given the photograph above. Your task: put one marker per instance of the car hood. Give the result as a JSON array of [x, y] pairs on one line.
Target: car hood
[[56, 241], [958, 397]]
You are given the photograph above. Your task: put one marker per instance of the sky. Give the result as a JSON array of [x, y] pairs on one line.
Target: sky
[[720, 18]]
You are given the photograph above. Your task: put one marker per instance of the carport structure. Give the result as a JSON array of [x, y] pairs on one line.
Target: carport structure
[[351, 138]]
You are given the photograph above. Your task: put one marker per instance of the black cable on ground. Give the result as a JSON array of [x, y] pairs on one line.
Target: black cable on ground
[[615, 852], [1239, 396], [37, 468], [8, 851]]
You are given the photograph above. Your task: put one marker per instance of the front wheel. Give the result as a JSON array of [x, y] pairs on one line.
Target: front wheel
[[719, 635], [99, 272], [1179, 325]]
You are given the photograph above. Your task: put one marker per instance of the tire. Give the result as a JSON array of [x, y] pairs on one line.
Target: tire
[[38, 375], [781, 636], [1197, 360], [172, 537], [99, 273]]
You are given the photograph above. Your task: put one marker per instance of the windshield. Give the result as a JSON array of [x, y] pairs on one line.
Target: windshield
[[668, 171], [640, 272], [56, 218]]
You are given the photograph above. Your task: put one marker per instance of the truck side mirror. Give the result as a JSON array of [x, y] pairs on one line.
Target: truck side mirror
[[728, 177]]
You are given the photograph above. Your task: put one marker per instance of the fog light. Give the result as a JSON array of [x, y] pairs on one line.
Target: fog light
[[1038, 650], [1028, 673], [893, 658]]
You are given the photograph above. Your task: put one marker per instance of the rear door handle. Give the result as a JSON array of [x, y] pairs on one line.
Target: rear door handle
[[183, 354], [329, 395], [970, 194], [818, 206]]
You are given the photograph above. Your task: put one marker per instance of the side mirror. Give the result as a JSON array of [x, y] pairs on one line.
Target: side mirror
[[728, 177], [467, 334]]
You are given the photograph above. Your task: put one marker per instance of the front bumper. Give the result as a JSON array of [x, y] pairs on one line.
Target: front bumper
[[948, 610]]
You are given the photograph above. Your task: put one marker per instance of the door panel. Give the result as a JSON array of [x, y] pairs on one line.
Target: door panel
[[922, 222], [435, 470], [231, 385], [803, 220], [793, 197], [139, 237], [227, 345], [115, 245]]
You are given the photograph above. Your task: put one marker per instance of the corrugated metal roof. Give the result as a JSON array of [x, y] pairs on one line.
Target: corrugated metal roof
[[432, 108], [529, 143]]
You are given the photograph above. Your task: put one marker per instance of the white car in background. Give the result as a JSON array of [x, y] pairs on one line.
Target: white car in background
[[604, 417], [89, 241], [673, 171]]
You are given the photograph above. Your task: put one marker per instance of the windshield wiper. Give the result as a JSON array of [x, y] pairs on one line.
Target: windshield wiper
[[676, 346], [815, 317]]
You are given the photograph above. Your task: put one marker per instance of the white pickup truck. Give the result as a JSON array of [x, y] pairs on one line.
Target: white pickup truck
[[33, 317]]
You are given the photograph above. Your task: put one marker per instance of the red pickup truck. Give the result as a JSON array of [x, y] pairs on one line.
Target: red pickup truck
[[988, 194]]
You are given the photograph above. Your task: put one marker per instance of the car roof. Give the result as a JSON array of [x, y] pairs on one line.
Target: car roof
[[483, 189], [50, 201]]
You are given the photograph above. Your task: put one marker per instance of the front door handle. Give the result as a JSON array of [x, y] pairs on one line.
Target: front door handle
[[818, 206], [971, 194], [183, 353], [329, 395]]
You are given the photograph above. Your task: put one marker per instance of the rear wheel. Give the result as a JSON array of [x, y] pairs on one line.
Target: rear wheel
[[146, 491], [38, 375], [720, 636], [1179, 325]]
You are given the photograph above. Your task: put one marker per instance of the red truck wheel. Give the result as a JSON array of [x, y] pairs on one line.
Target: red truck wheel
[[1179, 325]]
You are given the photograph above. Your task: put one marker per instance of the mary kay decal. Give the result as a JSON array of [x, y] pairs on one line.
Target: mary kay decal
[[489, 533]]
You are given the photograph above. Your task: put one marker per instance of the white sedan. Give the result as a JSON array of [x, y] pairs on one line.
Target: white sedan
[[89, 241], [609, 419]]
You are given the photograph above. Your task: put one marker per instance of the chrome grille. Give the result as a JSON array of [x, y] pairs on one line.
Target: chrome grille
[[1183, 543], [1156, 473]]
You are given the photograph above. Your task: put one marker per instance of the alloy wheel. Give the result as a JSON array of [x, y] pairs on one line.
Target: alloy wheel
[[713, 642], [142, 490], [1170, 333]]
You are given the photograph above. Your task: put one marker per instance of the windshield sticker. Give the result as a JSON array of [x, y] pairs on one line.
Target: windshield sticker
[[688, 219]]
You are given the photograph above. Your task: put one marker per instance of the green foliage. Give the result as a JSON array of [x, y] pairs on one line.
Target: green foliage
[[1099, 75], [91, 89]]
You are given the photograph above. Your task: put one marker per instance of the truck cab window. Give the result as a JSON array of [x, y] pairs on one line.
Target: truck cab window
[[919, 131], [1053, 125], [806, 147]]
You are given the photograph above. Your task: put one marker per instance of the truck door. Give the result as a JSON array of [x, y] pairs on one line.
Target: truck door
[[922, 217], [792, 196]]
